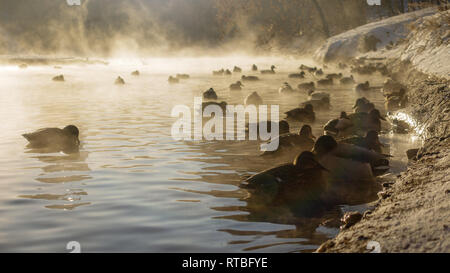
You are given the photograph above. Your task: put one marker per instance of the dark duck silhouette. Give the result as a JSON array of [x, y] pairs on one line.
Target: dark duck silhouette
[[59, 78], [173, 80], [308, 86], [249, 78], [54, 139], [210, 94], [305, 114], [300, 185], [237, 86], [254, 67], [294, 143], [135, 73], [350, 178], [119, 81], [237, 69], [318, 104], [271, 71], [335, 127], [300, 75], [363, 122]]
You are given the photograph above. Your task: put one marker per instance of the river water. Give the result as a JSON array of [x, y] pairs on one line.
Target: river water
[[132, 187]]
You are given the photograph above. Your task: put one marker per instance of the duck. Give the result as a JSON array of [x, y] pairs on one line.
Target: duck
[[218, 72], [300, 75], [370, 142], [54, 138], [336, 127], [307, 86], [294, 143], [59, 78], [347, 80], [271, 71], [360, 87], [286, 88], [237, 69], [228, 72], [367, 121], [305, 114], [363, 105], [318, 73], [210, 94], [254, 67], [300, 184], [183, 76], [253, 99], [350, 178], [173, 80], [325, 82], [222, 105], [237, 86], [308, 68], [135, 73], [334, 76], [312, 95], [318, 104], [249, 78], [396, 102]]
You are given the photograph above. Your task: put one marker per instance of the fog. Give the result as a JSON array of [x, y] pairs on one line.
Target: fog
[[105, 28]]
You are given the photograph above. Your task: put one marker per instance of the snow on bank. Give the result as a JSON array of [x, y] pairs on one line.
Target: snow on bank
[[348, 44]]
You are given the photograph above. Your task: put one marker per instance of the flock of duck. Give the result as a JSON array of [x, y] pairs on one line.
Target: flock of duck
[[337, 167]]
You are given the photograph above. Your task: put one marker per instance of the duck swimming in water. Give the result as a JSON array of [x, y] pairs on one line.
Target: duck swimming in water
[[54, 138], [228, 72], [237, 69], [135, 73], [173, 80], [271, 71], [363, 105], [249, 78], [300, 75], [294, 143], [336, 127], [218, 72], [59, 78], [362, 87], [305, 114], [369, 142], [236, 86], [334, 76], [254, 67], [325, 82], [210, 94], [312, 95], [307, 86], [253, 99], [286, 88], [347, 80], [300, 184], [183, 76], [363, 122], [350, 178], [119, 81], [318, 104]]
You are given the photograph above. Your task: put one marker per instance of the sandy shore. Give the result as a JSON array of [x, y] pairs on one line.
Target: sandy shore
[[413, 212]]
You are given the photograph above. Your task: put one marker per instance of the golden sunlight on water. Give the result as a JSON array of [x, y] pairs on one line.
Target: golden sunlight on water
[[132, 187]]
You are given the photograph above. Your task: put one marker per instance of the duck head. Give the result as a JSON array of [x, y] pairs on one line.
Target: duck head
[[72, 131], [307, 131], [324, 145], [272, 67], [361, 102], [307, 160], [239, 83]]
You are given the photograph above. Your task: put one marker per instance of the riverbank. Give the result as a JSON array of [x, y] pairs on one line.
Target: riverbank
[[413, 212]]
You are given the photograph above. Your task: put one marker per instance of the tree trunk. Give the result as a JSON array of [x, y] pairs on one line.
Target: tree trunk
[[322, 18]]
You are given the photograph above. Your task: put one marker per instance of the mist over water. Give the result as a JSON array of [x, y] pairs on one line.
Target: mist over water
[[132, 187]]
